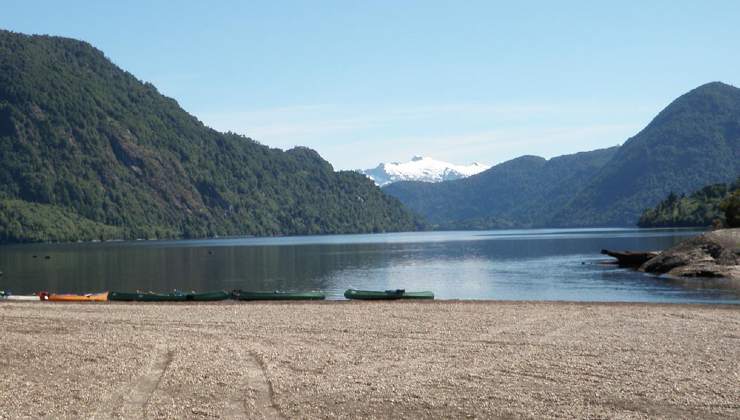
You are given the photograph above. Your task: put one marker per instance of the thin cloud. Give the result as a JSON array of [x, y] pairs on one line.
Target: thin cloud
[[496, 146], [361, 135]]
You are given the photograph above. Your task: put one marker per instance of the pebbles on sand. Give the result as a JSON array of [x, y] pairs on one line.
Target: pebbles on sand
[[388, 360]]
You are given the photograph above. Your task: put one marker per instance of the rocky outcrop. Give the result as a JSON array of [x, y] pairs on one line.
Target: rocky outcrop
[[713, 254]]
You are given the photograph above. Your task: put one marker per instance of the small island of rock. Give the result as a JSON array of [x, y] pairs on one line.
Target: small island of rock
[[713, 254]]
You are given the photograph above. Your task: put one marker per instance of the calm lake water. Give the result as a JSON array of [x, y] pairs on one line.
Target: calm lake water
[[545, 264]]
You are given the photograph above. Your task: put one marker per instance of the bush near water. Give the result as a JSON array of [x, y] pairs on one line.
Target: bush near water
[[717, 205]]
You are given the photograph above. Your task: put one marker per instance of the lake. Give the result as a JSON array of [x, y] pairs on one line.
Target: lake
[[537, 264]]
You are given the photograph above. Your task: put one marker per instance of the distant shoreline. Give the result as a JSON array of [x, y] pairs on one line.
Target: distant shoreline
[[320, 235], [436, 301]]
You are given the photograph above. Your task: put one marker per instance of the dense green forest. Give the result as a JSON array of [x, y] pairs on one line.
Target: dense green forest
[[693, 142], [705, 207], [519, 193], [87, 151]]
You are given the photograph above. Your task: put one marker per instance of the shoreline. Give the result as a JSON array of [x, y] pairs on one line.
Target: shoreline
[[436, 301], [331, 359], [697, 229]]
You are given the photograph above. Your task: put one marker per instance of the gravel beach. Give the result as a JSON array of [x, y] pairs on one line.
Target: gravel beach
[[378, 360]]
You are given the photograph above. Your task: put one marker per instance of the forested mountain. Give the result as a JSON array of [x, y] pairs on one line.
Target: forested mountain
[[88, 151], [701, 208], [519, 193], [694, 142]]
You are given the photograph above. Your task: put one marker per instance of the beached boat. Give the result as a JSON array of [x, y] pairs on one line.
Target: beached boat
[[208, 296], [147, 297], [386, 294], [176, 296], [9, 296], [276, 295], [72, 297]]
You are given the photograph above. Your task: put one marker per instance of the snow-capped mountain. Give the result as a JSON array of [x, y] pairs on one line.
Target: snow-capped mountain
[[421, 168]]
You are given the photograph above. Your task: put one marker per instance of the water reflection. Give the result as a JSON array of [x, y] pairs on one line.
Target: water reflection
[[532, 265]]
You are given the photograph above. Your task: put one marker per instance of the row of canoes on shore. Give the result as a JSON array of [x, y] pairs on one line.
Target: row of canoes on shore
[[178, 296]]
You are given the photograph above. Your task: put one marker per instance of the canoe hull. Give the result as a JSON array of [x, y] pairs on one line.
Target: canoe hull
[[20, 298], [208, 296], [246, 295], [386, 295], [168, 297], [90, 297], [418, 295], [145, 297]]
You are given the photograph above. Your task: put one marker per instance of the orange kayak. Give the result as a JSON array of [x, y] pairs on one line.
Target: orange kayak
[[87, 297]]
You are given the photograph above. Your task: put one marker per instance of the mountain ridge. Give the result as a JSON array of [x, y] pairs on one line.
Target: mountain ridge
[[495, 198], [82, 138], [680, 150], [693, 142]]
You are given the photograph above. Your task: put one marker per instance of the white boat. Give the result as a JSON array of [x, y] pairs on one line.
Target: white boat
[[3, 296]]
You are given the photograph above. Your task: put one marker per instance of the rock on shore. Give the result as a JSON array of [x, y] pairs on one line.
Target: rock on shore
[[713, 254]]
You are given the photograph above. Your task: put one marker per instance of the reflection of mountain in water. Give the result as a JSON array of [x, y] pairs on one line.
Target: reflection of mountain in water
[[469, 266]]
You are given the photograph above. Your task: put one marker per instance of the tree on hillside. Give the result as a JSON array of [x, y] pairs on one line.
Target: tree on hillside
[[731, 207]]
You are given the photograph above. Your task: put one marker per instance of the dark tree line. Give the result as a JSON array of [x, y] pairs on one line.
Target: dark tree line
[[713, 205]]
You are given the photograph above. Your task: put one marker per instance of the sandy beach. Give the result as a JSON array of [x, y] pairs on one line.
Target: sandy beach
[[378, 360]]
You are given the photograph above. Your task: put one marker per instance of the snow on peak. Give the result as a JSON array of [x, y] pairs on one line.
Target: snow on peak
[[421, 168]]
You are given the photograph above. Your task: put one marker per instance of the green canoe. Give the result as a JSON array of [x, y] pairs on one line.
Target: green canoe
[[176, 296], [147, 296], [208, 296], [386, 294], [276, 295]]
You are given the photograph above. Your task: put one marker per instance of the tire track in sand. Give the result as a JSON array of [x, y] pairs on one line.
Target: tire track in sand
[[260, 404], [133, 403], [149, 382]]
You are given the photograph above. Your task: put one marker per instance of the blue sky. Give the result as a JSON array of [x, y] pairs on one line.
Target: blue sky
[[365, 82]]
